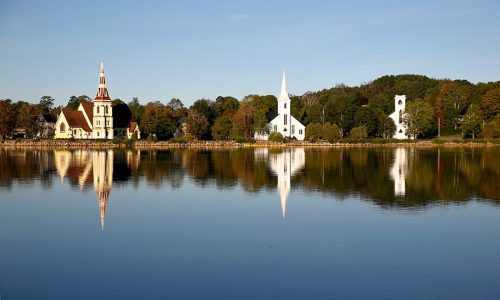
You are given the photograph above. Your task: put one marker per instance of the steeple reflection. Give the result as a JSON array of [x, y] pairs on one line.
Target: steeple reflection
[[83, 166], [398, 171], [102, 162], [286, 164]]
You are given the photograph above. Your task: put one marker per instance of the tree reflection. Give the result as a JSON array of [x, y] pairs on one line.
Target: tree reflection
[[390, 177]]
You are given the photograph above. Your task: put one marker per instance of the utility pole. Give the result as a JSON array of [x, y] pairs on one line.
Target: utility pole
[[439, 127]]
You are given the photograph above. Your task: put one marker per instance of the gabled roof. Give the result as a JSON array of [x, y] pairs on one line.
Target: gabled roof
[[76, 119], [89, 109], [271, 115], [50, 118], [132, 126]]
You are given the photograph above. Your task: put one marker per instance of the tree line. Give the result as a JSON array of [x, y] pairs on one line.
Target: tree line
[[434, 106]]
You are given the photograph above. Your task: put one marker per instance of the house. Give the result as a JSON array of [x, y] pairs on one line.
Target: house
[[284, 122], [99, 119], [397, 117]]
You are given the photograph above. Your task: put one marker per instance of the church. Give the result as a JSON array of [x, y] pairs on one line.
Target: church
[[99, 119], [284, 122], [397, 117]]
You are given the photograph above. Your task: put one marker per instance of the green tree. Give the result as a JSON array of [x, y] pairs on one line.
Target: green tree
[[331, 133], [46, 104], [7, 120], [260, 123], [243, 119], [196, 124], [490, 104], [418, 117], [158, 120], [359, 132], [471, 122], [221, 130], [492, 128], [314, 132], [136, 109]]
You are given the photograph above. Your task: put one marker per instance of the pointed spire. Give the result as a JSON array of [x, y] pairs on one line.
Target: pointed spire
[[102, 91], [284, 92]]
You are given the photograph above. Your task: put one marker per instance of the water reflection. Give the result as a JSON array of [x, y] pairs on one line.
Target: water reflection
[[286, 164], [399, 170], [401, 178]]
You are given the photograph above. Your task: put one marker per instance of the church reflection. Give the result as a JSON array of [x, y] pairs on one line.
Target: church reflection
[[398, 171], [96, 168], [286, 164]]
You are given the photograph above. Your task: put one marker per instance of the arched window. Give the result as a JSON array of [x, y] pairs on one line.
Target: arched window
[[400, 116], [285, 105], [106, 110], [285, 120], [400, 130], [62, 128], [400, 102], [97, 109]]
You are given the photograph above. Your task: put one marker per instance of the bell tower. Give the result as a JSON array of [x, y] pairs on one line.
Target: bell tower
[[103, 112]]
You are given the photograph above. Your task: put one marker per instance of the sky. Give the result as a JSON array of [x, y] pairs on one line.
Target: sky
[[158, 50]]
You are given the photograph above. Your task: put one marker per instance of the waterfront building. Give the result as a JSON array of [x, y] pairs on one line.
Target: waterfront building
[[99, 119], [397, 117], [283, 122]]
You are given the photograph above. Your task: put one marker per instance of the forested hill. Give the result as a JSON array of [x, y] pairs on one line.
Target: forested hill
[[458, 105]]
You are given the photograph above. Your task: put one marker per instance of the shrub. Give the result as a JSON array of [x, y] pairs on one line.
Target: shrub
[[331, 133], [359, 132], [313, 132], [276, 137], [492, 129]]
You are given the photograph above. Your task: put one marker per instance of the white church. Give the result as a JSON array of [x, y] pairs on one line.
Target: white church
[[397, 117], [98, 120], [284, 122]]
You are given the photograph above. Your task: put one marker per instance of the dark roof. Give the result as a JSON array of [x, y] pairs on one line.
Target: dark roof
[[89, 109], [76, 119], [271, 115], [50, 118], [121, 115]]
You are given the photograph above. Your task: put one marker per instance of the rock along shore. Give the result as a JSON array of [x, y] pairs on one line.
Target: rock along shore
[[145, 145]]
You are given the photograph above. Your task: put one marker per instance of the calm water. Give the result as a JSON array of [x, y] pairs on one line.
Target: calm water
[[250, 224]]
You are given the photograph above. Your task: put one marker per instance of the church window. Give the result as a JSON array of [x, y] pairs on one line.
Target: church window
[[106, 110], [98, 110], [98, 134], [400, 102], [285, 119], [300, 131], [400, 116], [293, 129], [400, 130], [285, 105], [62, 128], [275, 128], [74, 131]]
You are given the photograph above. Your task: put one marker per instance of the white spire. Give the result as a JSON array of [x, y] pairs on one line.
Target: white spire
[[284, 92], [102, 67]]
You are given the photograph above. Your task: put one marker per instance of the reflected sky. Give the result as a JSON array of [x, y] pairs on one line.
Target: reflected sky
[[250, 223]]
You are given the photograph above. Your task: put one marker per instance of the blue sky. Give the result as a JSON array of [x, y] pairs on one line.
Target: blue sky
[[157, 50]]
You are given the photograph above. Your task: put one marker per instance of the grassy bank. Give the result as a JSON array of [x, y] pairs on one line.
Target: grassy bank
[[344, 143]]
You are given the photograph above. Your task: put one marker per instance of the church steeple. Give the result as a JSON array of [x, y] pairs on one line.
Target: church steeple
[[102, 91], [284, 92]]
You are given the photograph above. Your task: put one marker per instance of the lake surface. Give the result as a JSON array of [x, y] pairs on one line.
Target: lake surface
[[385, 223]]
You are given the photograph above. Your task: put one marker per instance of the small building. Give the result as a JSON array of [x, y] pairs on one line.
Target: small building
[[99, 119], [284, 122], [397, 117]]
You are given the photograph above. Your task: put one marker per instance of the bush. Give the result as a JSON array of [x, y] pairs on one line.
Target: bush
[[359, 132], [313, 132], [331, 133], [492, 129], [241, 140], [117, 140], [152, 137], [276, 137]]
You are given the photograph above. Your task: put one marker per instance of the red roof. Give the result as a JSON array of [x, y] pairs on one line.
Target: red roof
[[132, 126], [89, 109], [76, 119]]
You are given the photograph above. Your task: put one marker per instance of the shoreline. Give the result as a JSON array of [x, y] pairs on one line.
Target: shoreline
[[147, 145]]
